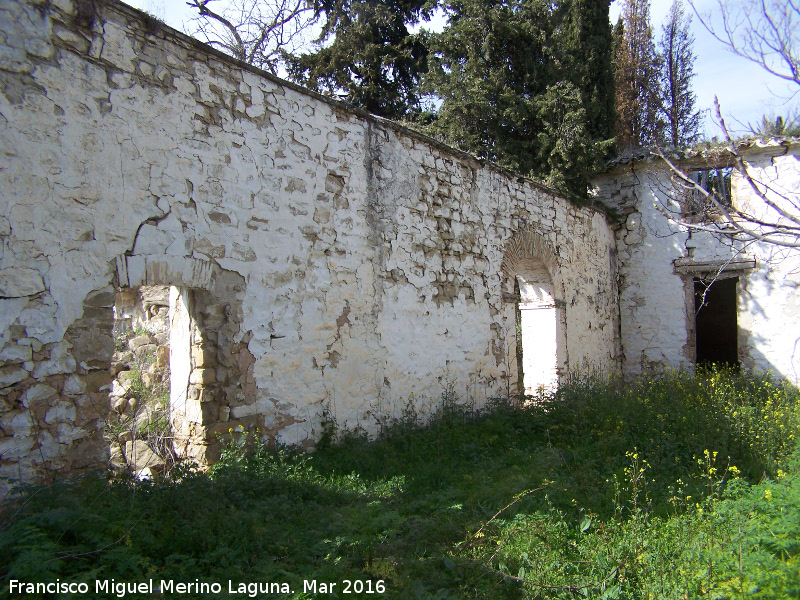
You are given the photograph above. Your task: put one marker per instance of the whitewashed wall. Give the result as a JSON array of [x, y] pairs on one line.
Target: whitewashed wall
[[656, 308], [334, 259]]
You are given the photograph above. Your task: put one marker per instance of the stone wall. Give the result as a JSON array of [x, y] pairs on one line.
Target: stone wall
[[323, 257], [659, 260]]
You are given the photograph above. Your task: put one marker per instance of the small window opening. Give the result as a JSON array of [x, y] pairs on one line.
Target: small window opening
[[716, 328], [713, 181]]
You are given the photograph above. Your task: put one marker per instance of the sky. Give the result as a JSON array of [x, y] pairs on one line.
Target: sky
[[745, 90]]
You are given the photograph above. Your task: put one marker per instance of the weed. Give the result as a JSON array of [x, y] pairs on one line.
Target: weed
[[680, 487]]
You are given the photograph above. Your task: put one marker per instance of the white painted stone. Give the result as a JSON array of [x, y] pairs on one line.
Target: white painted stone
[[295, 434], [263, 406], [39, 320], [655, 314], [37, 393], [351, 291], [152, 240], [60, 362], [59, 413], [49, 446], [67, 433], [16, 353], [16, 447], [74, 386], [17, 424], [10, 310], [16, 282]]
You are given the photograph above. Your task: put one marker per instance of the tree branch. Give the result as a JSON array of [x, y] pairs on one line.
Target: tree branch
[[259, 32], [735, 222]]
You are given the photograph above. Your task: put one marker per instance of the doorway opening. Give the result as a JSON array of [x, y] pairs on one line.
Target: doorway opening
[[716, 327], [138, 426], [537, 318]]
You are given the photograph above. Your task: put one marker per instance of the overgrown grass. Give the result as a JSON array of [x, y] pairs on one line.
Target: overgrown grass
[[678, 487]]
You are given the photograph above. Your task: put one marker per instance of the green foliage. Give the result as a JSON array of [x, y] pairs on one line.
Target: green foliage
[[678, 107], [637, 79], [146, 415], [525, 83], [521, 88], [777, 126], [588, 38], [673, 487], [367, 56]]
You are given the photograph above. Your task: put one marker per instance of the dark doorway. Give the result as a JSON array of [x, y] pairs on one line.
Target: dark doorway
[[716, 330]]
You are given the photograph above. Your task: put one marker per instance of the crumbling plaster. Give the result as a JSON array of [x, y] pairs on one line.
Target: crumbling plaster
[[658, 260], [327, 257]]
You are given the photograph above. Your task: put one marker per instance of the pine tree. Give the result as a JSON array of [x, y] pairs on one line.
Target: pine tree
[[681, 117], [637, 70], [373, 61], [489, 65]]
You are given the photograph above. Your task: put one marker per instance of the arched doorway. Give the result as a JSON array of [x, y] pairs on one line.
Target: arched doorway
[[533, 280], [537, 328]]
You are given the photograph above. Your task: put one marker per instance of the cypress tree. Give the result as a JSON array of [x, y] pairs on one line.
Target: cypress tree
[[678, 110], [637, 71], [520, 87], [590, 44]]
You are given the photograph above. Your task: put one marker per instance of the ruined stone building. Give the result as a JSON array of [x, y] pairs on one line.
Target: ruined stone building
[[753, 307], [316, 258]]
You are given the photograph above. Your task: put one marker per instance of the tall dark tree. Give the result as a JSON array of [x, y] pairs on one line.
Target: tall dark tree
[[488, 66], [589, 43], [637, 70], [506, 71], [368, 56], [682, 119]]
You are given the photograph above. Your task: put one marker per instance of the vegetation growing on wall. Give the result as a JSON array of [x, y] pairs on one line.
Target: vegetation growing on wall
[[138, 428], [140, 403], [675, 487]]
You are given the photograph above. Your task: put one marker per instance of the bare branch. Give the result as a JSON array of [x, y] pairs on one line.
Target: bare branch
[[774, 219], [258, 32], [765, 32]]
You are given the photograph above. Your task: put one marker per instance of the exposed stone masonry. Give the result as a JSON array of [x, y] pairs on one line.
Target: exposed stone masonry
[[323, 257], [658, 261]]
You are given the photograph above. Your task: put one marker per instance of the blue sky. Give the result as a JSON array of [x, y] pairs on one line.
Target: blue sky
[[745, 91]]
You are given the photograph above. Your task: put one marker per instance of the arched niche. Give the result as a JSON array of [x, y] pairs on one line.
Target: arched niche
[[532, 277]]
